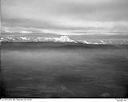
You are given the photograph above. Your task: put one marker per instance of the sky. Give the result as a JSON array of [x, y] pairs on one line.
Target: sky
[[65, 17]]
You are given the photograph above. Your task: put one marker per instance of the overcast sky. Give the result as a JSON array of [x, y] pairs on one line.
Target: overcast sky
[[65, 16]]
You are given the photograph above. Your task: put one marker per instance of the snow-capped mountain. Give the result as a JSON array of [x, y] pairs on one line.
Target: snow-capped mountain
[[93, 42], [54, 39], [38, 39], [60, 39]]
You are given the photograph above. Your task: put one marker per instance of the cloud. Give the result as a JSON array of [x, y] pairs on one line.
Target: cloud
[[66, 15]]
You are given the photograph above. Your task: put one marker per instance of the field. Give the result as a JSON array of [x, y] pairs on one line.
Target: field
[[51, 70]]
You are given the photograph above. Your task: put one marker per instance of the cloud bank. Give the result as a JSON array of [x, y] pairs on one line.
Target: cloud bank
[[65, 17]]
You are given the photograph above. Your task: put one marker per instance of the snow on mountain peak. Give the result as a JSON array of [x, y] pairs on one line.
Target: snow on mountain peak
[[60, 39]]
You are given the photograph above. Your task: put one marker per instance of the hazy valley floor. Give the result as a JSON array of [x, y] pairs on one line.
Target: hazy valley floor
[[29, 70]]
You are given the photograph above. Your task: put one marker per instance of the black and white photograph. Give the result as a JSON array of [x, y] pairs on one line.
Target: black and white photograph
[[64, 49]]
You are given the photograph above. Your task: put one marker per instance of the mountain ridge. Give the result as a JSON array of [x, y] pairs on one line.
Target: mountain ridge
[[62, 39]]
